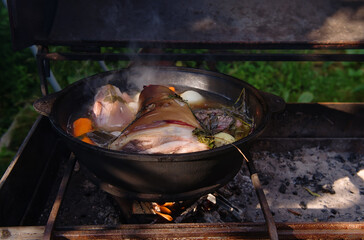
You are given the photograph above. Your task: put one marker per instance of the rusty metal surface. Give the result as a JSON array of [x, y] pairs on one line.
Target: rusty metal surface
[[210, 21], [228, 24], [220, 230], [318, 120], [340, 230]]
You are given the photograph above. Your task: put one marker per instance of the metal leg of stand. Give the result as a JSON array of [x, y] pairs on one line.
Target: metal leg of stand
[[43, 69], [272, 229], [57, 203]]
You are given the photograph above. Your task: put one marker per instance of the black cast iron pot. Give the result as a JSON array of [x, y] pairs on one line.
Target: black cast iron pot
[[158, 177]]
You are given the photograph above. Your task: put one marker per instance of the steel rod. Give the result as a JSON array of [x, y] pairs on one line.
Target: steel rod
[[51, 79], [272, 229], [200, 57], [58, 201], [279, 45], [42, 71]]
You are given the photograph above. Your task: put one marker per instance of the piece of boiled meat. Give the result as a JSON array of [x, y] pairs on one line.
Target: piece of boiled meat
[[111, 111], [164, 124]]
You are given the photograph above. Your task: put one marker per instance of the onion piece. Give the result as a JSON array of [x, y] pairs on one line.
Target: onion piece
[[192, 97], [223, 138]]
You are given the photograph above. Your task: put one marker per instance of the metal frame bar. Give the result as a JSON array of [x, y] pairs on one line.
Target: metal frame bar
[[43, 68], [227, 230], [59, 198], [272, 229], [339, 230], [219, 56], [206, 44]]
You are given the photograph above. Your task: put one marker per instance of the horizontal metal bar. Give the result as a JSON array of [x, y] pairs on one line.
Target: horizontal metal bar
[[207, 44], [230, 230], [199, 57], [323, 230]]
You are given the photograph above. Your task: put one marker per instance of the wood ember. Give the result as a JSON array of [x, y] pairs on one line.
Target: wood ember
[[191, 210], [294, 212]]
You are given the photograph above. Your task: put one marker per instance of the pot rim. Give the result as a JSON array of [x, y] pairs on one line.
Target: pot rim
[[180, 157]]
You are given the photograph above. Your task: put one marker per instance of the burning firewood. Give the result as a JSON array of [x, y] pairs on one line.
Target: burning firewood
[[163, 210]]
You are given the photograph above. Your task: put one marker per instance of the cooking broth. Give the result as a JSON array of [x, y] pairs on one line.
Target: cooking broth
[[220, 121]]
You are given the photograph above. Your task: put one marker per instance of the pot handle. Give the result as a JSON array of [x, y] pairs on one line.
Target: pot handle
[[44, 105], [275, 103]]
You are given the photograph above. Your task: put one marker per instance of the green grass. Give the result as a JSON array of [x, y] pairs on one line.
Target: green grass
[[294, 81], [303, 81]]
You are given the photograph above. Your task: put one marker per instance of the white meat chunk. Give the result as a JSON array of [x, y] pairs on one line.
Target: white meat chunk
[[166, 139], [111, 110]]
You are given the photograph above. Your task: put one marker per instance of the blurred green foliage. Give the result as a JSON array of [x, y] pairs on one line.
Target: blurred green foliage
[[303, 81], [19, 85], [18, 76], [6, 156]]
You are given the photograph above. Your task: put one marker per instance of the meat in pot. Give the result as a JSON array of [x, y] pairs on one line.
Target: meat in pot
[[159, 120], [111, 110], [164, 124]]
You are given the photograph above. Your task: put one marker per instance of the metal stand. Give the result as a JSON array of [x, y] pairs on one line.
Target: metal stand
[[272, 229], [57, 203]]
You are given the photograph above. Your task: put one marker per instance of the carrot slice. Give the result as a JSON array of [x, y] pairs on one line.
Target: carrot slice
[[172, 88], [87, 140], [81, 126]]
